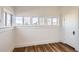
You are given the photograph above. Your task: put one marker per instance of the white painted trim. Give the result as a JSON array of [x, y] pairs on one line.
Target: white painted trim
[[25, 44]]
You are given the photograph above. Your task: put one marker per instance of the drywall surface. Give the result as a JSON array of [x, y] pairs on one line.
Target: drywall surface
[[27, 36], [6, 33], [70, 24], [6, 40], [37, 11]]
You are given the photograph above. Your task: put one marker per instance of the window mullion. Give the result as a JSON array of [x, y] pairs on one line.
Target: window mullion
[[22, 20], [11, 20], [5, 19], [31, 21]]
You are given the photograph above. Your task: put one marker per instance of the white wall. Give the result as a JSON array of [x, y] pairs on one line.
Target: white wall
[[6, 33], [70, 24], [6, 40], [26, 36], [37, 11]]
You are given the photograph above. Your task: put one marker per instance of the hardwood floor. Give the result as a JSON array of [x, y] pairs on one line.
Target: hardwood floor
[[51, 47]]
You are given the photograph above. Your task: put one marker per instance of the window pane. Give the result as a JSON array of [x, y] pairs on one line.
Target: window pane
[[8, 20], [26, 20], [41, 19], [4, 16], [12, 21], [49, 21], [19, 20], [54, 21], [34, 20]]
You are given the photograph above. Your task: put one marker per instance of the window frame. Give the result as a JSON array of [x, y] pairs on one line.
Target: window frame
[[29, 20], [10, 19], [6, 19], [22, 21], [38, 22], [50, 20], [57, 23], [43, 22], [32, 20]]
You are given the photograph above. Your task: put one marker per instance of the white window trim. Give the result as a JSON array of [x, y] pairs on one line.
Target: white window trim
[[22, 21], [32, 21], [45, 21]]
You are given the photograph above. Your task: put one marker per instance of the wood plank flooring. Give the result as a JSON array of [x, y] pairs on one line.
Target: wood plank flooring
[[51, 47]]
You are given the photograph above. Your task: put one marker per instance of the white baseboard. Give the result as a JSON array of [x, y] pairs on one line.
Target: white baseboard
[[25, 44], [11, 49]]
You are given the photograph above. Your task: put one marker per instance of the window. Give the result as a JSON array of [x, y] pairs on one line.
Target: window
[[12, 20], [26, 20], [4, 15], [34, 20], [49, 21], [55, 20], [52, 20], [19, 20], [7, 19], [41, 19]]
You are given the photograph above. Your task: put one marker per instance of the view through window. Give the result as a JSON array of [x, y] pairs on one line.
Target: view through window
[[36, 20]]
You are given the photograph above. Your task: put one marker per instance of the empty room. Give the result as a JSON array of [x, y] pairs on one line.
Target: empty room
[[39, 29]]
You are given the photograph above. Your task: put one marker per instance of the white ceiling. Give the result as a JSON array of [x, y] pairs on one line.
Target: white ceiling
[[30, 7]]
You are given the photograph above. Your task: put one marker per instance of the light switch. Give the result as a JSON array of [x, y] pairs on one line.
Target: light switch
[[73, 32]]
